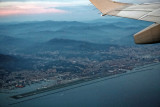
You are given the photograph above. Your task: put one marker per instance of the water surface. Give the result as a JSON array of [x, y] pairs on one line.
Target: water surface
[[141, 88]]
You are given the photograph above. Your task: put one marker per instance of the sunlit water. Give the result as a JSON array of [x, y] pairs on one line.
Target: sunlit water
[[141, 88]]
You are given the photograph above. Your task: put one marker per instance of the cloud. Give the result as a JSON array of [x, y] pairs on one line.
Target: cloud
[[24, 0], [35, 7], [28, 10]]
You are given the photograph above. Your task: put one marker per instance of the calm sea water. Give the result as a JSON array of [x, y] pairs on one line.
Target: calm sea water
[[141, 88]]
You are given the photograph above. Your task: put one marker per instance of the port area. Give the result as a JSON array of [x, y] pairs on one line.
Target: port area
[[85, 80], [59, 86]]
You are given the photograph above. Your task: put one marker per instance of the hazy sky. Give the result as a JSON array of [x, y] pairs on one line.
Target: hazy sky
[[35, 10]]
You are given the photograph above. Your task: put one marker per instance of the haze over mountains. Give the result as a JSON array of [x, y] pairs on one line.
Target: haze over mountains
[[23, 45], [108, 31], [64, 51]]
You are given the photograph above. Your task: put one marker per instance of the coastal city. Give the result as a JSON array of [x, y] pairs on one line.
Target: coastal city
[[75, 64], [79, 53]]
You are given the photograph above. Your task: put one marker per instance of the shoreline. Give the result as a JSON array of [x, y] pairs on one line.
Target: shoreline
[[79, 82]]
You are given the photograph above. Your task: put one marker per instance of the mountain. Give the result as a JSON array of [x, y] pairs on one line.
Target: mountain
[[39, 46], [126, 41], [8, 39], [10, 44], [63, 45], [36, 26], [46, 55], [99, 31], [6, 62], [121, 21], [6, 58], [11, 63]]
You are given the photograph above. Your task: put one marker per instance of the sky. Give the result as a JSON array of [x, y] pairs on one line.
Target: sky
[[57, 10]]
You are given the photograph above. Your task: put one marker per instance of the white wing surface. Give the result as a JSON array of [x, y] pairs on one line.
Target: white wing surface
[[147, 12]]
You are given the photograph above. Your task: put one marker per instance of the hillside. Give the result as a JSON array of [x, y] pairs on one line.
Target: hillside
[[98, 31]]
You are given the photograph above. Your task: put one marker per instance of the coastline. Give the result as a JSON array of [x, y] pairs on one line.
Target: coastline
[[82, 82]]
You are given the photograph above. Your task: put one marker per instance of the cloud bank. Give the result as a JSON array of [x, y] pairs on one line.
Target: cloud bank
[[36, 6]]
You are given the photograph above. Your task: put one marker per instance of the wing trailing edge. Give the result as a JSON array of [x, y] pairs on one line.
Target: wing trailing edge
[[149, 35]]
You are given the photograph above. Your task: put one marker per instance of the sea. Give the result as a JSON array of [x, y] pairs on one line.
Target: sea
[[139, 87]]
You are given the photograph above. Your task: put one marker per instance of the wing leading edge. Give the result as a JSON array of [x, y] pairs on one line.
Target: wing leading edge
[[147, 12]]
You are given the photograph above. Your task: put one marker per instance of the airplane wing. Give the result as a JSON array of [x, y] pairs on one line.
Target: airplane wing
[[147, 12]]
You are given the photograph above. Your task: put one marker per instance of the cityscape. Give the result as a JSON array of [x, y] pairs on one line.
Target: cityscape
[[68, 53], [72, 61]]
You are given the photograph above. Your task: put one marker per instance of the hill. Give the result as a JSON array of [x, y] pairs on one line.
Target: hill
[[98, 31]]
